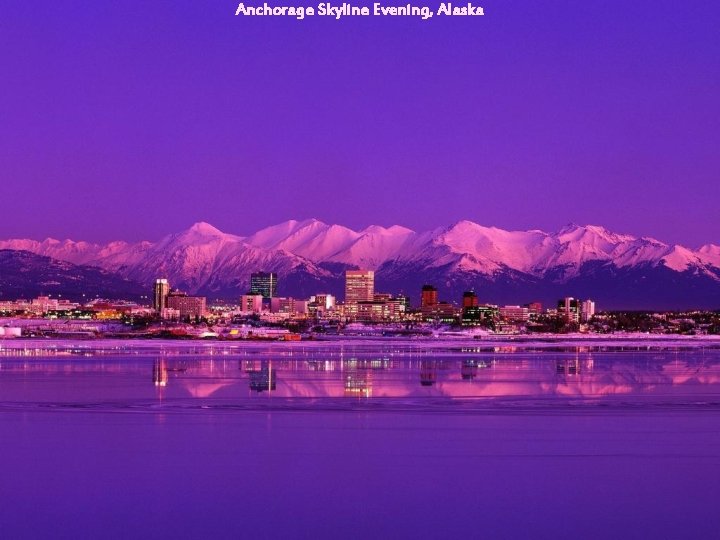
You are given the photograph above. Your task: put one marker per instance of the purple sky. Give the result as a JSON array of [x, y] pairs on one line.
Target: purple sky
[[133, 119]]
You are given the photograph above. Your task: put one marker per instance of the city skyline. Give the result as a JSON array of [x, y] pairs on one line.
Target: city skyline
[[532, 116]]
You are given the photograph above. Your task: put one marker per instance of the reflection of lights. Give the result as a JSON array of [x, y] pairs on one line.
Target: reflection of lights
[[568, 367], [358, 377], [160, 373], [321, 372], [468, 370], [358, 385]]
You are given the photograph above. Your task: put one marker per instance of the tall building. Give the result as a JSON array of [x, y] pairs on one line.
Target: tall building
[[470, 299], [587, 310], [160, 294], [263, 283], [428, 296], [359, 286], [569, 309]]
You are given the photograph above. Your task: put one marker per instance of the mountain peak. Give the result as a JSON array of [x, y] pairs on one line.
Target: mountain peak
[[202, 227], [394, 230], [573, 232], [464, 224]]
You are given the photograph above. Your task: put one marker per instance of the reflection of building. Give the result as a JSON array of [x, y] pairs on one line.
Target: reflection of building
[[569, 366], [160, 294], [160, 373], [468, 369], [428, 372], [263, 379], [264, 284], [359, 286], [358, 379]]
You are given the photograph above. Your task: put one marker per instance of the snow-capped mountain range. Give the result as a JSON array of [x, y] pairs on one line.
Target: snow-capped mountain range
[[502, 266]]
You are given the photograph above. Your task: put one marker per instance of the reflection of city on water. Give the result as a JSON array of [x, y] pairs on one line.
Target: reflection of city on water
[[580, 375], [370, 373]]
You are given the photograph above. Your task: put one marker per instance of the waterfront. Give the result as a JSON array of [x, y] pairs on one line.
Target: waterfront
[[352, 439]]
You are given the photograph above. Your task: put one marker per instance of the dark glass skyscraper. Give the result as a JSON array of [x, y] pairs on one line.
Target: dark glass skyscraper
[[264, 283], [160, 294]]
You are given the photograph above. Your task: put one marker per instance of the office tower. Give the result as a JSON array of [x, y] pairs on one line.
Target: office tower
[[569, 309], [587, 310], [160, 294], [264, 283], [470, 299], [429, 296], [359, 286]]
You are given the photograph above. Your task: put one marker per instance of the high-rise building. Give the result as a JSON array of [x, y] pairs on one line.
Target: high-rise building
[[569, 309], [263, 283], [587, 310], [470, 299], [359, 286], [160, 294], [428, 296]]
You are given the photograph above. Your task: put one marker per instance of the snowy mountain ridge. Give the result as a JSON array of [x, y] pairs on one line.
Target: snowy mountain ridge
[[309, 253], [465, 243]]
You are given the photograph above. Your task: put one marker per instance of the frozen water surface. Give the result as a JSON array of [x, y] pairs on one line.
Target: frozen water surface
[[358, 438]]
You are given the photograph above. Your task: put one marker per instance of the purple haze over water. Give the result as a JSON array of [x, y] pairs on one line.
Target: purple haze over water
[[135, 119], [354, 441]]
